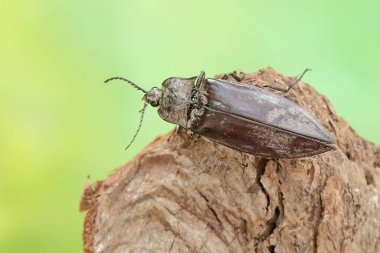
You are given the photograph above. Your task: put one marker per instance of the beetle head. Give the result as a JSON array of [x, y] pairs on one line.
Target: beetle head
[[153, 97]]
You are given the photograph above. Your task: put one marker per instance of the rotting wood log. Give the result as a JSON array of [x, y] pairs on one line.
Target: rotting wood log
[[182, 195]]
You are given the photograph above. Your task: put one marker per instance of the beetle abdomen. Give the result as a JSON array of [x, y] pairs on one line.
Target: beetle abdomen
[[259, 122]]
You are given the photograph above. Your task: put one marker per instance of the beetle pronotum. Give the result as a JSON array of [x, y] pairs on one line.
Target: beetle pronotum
[[238, 115]]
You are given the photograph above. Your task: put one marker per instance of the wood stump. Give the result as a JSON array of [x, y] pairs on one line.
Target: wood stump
[[186, 195]]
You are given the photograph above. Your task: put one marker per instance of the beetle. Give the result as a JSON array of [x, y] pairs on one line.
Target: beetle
[[241, 116]]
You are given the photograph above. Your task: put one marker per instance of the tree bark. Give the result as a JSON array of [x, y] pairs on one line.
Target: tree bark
[[185, 195]]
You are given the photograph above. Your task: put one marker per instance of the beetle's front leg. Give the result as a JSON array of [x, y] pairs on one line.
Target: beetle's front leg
[[180, 130]]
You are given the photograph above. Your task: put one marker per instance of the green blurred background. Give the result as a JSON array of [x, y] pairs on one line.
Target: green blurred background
[[60, 123]]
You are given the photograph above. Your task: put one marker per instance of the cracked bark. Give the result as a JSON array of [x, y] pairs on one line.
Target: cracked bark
[[181, 195]]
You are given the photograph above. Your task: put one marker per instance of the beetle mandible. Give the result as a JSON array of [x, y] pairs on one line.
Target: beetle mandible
[[241, 116]]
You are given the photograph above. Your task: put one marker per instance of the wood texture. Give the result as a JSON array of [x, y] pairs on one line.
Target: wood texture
[[185, 195]]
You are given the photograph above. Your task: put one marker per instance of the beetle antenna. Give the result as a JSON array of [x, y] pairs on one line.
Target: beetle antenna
[[126, 80], [142, 111]]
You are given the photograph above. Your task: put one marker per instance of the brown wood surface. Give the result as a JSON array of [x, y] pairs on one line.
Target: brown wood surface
[[186, 195]]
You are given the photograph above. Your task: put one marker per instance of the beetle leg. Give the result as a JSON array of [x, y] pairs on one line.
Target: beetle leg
[[224, 77], [195, 137], [188, 133], [234, 75], [274, 88], [200, 80], [298, 79], [278, 165], [287, 89], [238, 75], [178, 129]]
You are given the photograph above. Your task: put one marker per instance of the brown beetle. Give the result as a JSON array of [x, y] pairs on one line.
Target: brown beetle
[[238, 115]]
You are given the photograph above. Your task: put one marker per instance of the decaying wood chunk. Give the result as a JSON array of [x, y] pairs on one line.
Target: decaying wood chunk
[[182, 195]]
